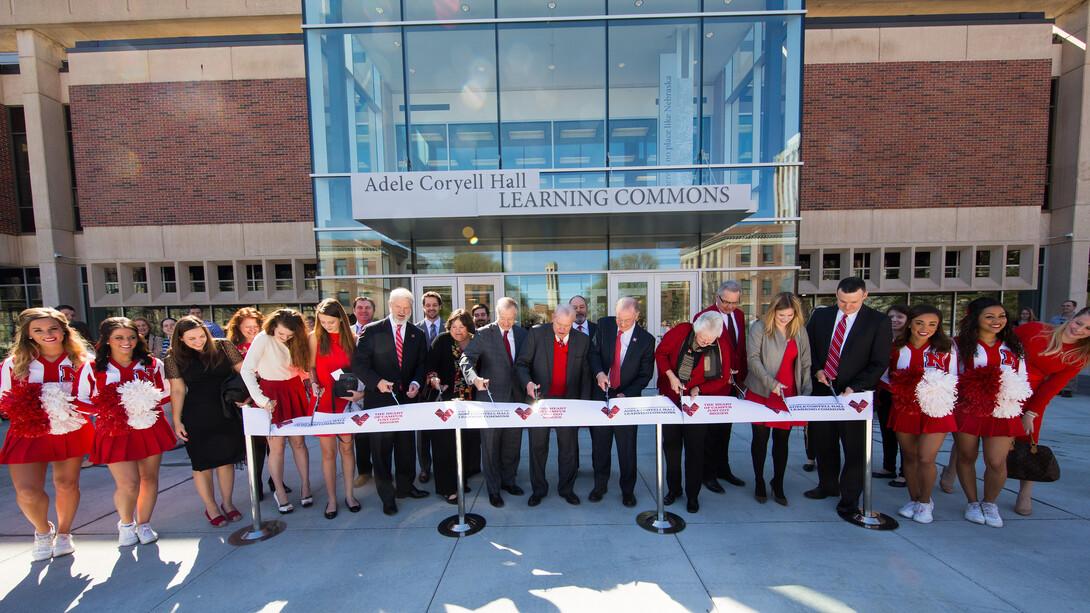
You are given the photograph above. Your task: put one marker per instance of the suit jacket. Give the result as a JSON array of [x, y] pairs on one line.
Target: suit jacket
[[639, 361], [666, 359], [442, 327], [535, 362], [486, 357], [375, 359], [766, 355], [866, 351], [591, 328], [735, 350]]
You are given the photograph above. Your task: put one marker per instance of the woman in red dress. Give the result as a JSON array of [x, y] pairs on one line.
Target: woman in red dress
[[923, 386], [126, 388], [331, 345], [1054, 356], [778, 355], [991, 388], [272, 369], [35, 392]]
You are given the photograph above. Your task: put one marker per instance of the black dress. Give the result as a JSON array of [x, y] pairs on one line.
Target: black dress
[[214, 440]]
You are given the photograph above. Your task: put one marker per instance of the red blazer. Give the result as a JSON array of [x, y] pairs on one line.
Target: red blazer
[[666, 359], [737, 352]]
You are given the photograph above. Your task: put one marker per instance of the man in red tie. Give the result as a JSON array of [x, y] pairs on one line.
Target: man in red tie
[[579, 305], [850, 349], [553, 363], [732, 345], [390, 361], [622, 354], [364, 310]]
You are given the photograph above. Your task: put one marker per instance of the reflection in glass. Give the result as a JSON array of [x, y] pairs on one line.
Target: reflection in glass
[[556, 253], [480, 293], [754, 300], [538, 295], [674, 299], [448, 10], [322, 11], [637, 290], [346, 290], [360, 253], [545, 8], [446, 297]]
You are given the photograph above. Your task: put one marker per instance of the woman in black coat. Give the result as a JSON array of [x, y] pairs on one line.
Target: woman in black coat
[[445, 377]]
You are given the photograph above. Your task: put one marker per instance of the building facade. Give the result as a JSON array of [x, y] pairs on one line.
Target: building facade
[[157, 155]]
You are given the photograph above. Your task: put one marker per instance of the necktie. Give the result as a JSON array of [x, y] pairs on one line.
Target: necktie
[[615, 370], [431, 331], [507, 345], [833, 361], [398, 343], [359, 330]]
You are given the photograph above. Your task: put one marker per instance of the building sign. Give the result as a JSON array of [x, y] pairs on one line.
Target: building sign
[[514, 193]]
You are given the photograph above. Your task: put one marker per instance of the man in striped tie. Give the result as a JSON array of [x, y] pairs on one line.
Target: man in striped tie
[[432, 326], [850, 348], [390, 360]]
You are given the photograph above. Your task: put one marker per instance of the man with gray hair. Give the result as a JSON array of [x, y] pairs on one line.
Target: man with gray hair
[[553, 364], [622, 356], [488, 363], [732, 344]]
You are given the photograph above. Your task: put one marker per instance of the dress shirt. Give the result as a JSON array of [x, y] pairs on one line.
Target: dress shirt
[[626, 337], [583, 327], [847, 326]]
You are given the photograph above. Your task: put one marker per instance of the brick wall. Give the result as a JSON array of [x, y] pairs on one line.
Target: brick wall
[[9, 209], [192, 152], [924, 134]]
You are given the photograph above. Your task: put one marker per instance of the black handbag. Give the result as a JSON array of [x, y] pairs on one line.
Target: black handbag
[[345, 385], [1032, 462], [233, 390]]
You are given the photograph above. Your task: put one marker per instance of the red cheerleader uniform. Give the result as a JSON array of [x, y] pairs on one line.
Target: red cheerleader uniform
[[26, 448], [132, 444], [907, 364], [969, 420], [1048, 374]]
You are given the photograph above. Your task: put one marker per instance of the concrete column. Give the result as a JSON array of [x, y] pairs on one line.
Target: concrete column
[[39, 62], [1068, 236]]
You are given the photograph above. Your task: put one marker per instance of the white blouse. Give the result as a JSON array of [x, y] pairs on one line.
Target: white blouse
[[267, 358]]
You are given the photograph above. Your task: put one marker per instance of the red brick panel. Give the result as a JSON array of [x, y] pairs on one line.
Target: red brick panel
[[9, 208], [924, 134], [191, 153]]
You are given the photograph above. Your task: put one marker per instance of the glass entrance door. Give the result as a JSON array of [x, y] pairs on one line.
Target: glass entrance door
[[666, 298], [457, 293]]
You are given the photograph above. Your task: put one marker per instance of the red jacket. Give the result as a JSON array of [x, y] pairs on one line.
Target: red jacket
[[666, 355], [738, 353]]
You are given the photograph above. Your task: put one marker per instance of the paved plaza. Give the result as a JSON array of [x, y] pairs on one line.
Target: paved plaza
[[734, 555]]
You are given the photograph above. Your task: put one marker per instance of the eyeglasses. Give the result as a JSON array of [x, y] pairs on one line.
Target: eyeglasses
[[725, 303]]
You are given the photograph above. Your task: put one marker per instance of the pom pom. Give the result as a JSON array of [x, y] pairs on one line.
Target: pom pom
[[23, 405], [57, 404], [903, 383], [111, 417], [1014, 389], [977, 390], [141, 400], [937, 392]]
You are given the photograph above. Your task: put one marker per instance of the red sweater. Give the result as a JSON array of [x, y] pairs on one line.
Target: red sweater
[[666, 358], [1048, 374]]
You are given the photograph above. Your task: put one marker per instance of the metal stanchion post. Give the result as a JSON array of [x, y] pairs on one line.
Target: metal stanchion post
[[462, 524], [868, 518], [259, 531], [660, 521]]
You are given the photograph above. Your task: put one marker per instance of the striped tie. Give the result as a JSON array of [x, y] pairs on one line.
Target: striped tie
[[398, 343], [833, 361]]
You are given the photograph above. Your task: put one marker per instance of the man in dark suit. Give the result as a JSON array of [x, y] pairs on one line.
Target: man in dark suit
[[850, 347], [622, 354], [488, 363], [579, 304], [390, 360], [553, 364], [432, 327], [364, 310], [732, 342]]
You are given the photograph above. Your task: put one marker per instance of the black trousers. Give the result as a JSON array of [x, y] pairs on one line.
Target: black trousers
[[827, 439], [423, 449], [759, 450], [444, 464], [601, 439], [565, 455], [471, 450], [717, 452], [692, 437], [260, 446], [399, 445], [363, 453], [501, 449], [889, 437]]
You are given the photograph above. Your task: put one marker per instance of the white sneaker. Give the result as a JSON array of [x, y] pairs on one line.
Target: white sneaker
[[146, 534], [43, 544], [63, 545], [909, 510], [991, 514], [126, 534], [923, 513], [973, 513]]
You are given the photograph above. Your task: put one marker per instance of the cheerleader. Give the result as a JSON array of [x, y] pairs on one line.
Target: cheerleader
[[991, 388], [35, 392], [898, 316], [272, 369], [331, 346], [1054, 356], [125, 387], [923, 386]]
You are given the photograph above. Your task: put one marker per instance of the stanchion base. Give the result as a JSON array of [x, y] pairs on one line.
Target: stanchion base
[[876, 521], [453, 528], [669, 524], [249, 536]]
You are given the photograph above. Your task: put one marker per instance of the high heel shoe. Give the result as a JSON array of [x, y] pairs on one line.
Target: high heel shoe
[[218, 521], [352, 508], [284, 508], [777, 493], [759, 492], [287, 490], [306, 501]]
